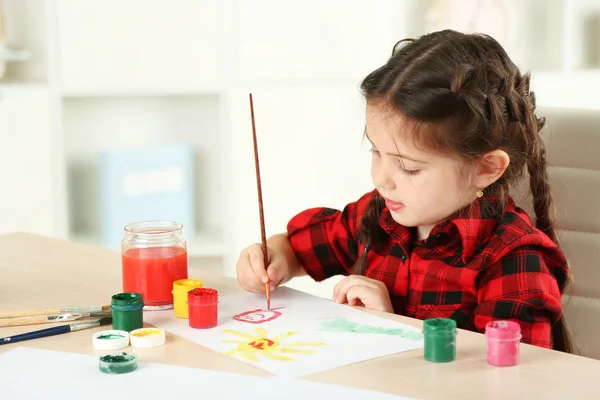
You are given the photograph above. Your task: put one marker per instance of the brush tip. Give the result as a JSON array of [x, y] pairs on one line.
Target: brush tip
[[105, 320]]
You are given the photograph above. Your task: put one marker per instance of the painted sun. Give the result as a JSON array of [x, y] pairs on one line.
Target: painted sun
[[253, 345]]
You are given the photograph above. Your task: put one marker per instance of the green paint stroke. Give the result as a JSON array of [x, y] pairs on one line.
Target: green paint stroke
[[111, 336], [343, 325]]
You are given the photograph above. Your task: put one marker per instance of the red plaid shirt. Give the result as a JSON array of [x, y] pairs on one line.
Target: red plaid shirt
[[472, 270]]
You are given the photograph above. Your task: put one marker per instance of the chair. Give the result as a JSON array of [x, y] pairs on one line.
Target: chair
[[572, 138]]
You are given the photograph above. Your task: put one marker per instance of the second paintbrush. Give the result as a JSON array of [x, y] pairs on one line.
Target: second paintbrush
[[45, 319]]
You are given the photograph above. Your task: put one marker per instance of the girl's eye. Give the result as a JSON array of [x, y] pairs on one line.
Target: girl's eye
[[375, 151], [406, 171], [409, 172]]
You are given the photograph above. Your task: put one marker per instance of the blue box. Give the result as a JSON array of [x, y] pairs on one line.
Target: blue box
[[146, 183]]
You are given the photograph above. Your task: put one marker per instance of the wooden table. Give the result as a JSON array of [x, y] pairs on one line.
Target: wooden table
[[40, 272]]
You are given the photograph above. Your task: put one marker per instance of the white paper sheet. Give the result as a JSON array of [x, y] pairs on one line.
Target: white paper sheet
[[295, 342], [43, 374]]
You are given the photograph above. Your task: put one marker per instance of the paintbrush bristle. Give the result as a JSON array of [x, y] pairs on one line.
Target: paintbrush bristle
[[105, 321]]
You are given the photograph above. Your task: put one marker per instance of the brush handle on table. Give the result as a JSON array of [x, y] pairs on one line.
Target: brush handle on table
[[46, 319], [46, 311], [37, 319], [25, 313], [55, 330]]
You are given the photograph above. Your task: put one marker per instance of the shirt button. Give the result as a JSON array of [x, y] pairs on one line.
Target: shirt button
[[403, 258]]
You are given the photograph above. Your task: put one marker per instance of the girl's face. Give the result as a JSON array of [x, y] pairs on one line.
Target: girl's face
[[421, 189]]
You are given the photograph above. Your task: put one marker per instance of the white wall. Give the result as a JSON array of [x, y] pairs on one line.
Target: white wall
[[303, 63]]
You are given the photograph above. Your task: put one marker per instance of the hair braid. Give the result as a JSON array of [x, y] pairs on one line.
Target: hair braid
[[369, 231]]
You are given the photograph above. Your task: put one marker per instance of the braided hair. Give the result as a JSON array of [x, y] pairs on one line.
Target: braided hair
[[473, 99]]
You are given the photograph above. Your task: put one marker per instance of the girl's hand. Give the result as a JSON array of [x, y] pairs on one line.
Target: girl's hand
[[358, 289], [252, 274]]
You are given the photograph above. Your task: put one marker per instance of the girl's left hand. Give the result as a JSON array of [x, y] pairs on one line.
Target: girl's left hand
[[357, 289]]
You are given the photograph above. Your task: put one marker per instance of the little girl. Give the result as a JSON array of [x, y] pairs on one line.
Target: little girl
[[452, 126]]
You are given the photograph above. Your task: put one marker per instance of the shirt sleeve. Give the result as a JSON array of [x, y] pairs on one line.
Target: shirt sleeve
[[520, 287], [325, 240]]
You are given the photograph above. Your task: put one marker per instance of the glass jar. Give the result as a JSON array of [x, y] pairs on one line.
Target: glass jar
[[154, 255]]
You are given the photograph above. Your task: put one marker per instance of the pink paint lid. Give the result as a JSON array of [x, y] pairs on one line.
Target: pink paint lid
[[202, 297], [504, 330]]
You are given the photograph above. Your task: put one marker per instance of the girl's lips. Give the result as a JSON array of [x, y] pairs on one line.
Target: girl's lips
[[393, 205]]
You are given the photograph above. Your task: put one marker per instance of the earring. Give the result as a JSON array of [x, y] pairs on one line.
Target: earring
[[479, 193]]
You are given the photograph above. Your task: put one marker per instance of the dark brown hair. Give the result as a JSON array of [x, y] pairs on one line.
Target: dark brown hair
[[472, 99]]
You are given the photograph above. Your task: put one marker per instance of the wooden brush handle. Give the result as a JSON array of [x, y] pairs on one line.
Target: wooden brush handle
[[26, 313], [19, 321]]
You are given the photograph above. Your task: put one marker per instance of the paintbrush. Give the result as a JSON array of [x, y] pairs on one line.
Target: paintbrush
[[56, 330], [48, 311], [44, 319], [263, 236]]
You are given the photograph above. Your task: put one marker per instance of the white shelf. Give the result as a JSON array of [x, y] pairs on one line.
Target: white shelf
[[203, 244], [124, 91], [13, 86], [576, 89], [26, 29], [93, 125]]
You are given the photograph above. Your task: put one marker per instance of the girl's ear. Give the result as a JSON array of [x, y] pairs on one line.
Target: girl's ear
[[490, 167]]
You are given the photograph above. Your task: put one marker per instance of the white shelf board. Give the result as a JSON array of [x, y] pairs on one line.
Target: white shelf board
[[122, 91], [11, 85], [576, 89], [202, 244]]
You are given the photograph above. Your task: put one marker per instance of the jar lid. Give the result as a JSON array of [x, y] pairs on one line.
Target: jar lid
[[439, 326], [110, 340], [147, 337], [185, 285], [127, 301], [118, 364], [202, 296], [504, 330]]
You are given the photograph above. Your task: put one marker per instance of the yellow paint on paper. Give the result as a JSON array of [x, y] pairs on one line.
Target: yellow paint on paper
[[252, 345]]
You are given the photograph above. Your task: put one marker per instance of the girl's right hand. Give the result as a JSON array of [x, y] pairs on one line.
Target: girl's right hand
[[251, 272]]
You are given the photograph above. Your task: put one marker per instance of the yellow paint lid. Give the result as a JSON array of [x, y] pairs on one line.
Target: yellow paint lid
[[147, 337], [185, 285]]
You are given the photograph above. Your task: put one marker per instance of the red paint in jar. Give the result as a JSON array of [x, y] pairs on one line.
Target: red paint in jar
[[154, 255], [152, 271], [203, 308]]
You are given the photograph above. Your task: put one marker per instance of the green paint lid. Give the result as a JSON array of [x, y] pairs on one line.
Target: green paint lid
[[439, 327], [127, 301]]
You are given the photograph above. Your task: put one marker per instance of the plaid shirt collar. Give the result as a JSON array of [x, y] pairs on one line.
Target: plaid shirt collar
[[474, 224]]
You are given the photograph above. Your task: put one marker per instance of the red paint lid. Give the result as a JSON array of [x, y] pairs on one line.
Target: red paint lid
[[504, 330], [203, 296]]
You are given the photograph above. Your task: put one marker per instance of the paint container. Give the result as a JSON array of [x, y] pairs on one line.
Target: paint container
[[110, 340], [154, 255], [127, 311], [118, 364], [147, 337], [439, 339], [203, 306], [503, 341], [181, 288]]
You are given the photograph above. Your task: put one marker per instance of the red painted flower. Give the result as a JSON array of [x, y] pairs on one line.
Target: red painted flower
[[262, 344], [258, 316]]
